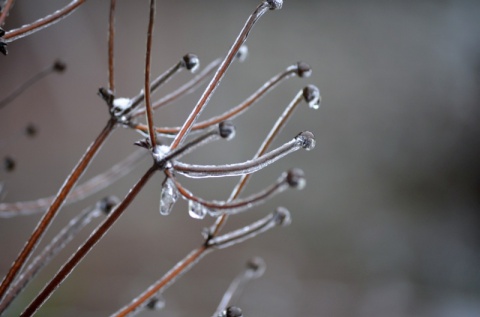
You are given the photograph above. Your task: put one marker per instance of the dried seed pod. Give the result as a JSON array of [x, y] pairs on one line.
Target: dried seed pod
[[191, 62], [312, 96], [9, 164], [226, 130], [275, 4], [303, 70], [296, 178]]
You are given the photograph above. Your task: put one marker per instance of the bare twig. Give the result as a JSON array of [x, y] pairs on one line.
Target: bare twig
[[242, 37], [148, 105]]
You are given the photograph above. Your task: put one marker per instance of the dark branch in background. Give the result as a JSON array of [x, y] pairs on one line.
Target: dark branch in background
[[75, 259], [57, 67]]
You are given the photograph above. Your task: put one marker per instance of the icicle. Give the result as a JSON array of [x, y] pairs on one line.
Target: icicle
[[168, 197], [196, 210]]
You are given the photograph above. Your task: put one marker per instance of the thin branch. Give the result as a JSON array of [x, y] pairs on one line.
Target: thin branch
[[57, 244], [6, 10], [53, 209], [83, 250], [239, 109], [148, 106], [217, 208], [111, 40], [82, 191], [303, 140], [254, 268], [259, 11], [42, 23], [58, 67], [311, 95], [187, 88], [158, 287]]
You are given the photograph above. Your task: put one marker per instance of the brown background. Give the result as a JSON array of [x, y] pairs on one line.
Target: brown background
[[388, 224]]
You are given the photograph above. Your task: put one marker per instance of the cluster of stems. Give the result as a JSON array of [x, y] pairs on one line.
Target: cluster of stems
[[166, 146]]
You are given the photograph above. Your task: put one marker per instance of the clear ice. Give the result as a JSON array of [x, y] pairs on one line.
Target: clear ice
[[168, 197]]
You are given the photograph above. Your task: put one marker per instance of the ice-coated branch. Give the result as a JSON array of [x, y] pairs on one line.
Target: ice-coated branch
[[52, 211], [294, 178], [57, 244], [254, 268], [300, 69], [280, 217], [242, 37], [82, 191], [183, 90], [83, 250], [42, 23], [304, 140]]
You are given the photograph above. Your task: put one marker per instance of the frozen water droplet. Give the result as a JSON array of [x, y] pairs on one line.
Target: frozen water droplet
[[168, 197], [196, 210], [307, 140], [191, 62], [312, 96]]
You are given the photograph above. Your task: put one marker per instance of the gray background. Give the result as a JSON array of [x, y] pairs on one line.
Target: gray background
[[388, 224]]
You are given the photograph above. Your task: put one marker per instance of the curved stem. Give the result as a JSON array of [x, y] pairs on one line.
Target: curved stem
[[6, 10], [42, 23], [259, 11], [55, 207]]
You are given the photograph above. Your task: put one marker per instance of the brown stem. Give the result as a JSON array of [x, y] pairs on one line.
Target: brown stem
[[111, 39], [165, 281], [261, 151], [54, 207], [75, 259], [5, 10], [148, 105], [33, 27], [242, 37]]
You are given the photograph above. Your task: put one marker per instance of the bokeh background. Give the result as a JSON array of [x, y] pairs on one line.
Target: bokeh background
[[388, 224]]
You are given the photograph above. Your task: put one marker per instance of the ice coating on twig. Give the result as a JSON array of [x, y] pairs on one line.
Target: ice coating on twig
[[196, 210], [303, 140], [280, 217], [312, 95], [306, 139], [254, 268], [57, 244], [168, 196]]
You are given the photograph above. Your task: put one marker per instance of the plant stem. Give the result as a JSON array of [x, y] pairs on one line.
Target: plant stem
[[42, 23], [75, 259], [55, 207]]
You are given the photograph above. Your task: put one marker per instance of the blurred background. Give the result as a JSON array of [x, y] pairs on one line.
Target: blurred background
[[388, 224]]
